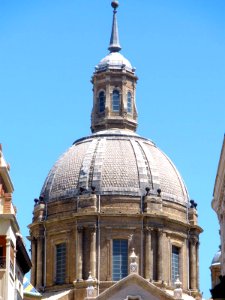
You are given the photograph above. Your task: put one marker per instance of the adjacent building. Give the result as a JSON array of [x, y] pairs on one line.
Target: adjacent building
[[29, 292], [114, 219], [14, 260], [218, 204], [215, 269]]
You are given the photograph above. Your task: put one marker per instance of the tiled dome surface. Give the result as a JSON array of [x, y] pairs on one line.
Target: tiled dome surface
[[115, 162], [114, 60], [216, 258]]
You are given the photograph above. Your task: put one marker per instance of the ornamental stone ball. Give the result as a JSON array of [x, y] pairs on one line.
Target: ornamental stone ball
[[115, 4]]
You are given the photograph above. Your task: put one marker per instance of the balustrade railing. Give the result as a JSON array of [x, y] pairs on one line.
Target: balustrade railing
[[18, 296], [11, 268]]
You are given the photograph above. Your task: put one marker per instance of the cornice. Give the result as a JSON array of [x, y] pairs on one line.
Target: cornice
[[4, 173]]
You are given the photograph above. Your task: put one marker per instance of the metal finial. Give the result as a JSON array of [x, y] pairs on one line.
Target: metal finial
[[114, 45], [115, 4]]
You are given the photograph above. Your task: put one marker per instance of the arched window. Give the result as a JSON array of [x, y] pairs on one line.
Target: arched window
[[101, 101], [129, 102], [60, 272], [116, 101]]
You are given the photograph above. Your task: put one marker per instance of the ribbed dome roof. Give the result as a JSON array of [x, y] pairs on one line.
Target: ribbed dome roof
[[115, 162], [216, 258], [114, 60]]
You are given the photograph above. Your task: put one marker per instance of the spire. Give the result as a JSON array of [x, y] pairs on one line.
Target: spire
[[114, 88], [114, 45]]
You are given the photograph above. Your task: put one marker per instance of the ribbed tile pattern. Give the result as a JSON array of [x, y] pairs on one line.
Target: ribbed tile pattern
[[115, 163], [171, 183], [119, 168], [62, 180]]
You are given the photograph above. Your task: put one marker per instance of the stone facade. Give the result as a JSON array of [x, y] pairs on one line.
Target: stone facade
[[215, 269], [218, 204], [106, 81], [89, 230]]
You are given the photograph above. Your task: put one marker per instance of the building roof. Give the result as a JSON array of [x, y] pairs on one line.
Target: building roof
[[4, 173], [28, 288], [57, 295], [22, 256], [216, 258], [115, 162], [112, 61], [134, 286]]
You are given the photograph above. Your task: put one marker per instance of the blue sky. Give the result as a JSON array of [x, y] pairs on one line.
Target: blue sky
[[48, 51]]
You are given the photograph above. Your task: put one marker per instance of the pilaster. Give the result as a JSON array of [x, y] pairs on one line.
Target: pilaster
[[197, 265], [160, 256], [148, 253], [192, 258], [39, 264], [8, 240], [33, 260], [80, 253], [93, 251]]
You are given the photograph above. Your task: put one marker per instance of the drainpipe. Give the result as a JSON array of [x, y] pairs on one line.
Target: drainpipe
[[76, 251], [187, 245], [77, 203], [45, 252], [188, 261], [44, 257], [142, 228], [98, 224]]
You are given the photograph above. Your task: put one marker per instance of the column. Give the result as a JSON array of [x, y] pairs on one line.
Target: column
[[93, 251], [33, 260], [108, 96], [197, 265], [160, 256], [124, 97], [39, 261], [134, 101], [148, 254], [80, 253], [7, 292], [192, 258], [109, 260]]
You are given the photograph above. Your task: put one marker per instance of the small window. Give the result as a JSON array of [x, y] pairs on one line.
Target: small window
[[1, 251], [2, 257], [12, 258], [101, 101], [60, 263], [175, 263], [116, 101], [120, 259], [129, 102]]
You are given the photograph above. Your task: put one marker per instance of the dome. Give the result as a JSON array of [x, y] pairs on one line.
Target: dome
[[115, 162], [216, 258], [114, 60], [112, 191]]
